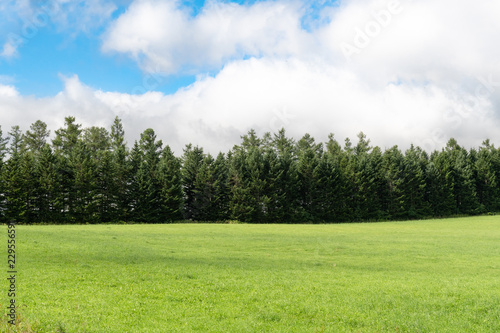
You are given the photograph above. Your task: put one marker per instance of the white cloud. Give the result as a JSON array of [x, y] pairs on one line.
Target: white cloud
[[163, 37], [442, 41], [25, 17], [429, 74], [267, 95], [8, 91], [79, 15], [9, 50]]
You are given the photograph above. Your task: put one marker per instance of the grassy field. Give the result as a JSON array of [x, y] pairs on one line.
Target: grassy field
[[425, 276]]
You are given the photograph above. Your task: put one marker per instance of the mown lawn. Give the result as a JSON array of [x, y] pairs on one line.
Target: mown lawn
[[422, 276]]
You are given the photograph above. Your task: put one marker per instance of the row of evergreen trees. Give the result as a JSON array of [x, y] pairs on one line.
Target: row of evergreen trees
[[90, 176]]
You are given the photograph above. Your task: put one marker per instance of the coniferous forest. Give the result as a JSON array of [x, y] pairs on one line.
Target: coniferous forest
[[90, 175]]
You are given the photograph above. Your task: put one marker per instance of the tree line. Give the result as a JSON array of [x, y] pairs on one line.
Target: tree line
[[90, 175]]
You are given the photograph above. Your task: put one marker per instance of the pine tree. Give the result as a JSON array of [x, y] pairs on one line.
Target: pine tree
[[106, 189], [65, 142], [204, 192], [377, 186], [88, 175], [248, 171], [3, 176], [67, 138], [149, 204], [17, 193], [50, 201], [465, 194], [98, 144], [487, 165], [257, 199], [414, 188], [393, 202], [283, 179], [441, 185], [460, 171], [211, 190], [120, 171], [359, 172], [169, 175], [133, 193], [309, 153], [329, 199], [220, 204], [191, 165], [84, 169], [36, 138]]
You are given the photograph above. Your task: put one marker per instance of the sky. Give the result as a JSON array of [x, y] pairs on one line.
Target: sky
[[206, 72]]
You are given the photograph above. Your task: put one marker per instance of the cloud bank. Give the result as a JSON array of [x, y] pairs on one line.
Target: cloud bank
[[414, 72]]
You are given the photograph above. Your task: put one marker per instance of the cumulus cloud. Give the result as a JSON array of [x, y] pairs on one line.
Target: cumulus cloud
[[423, 73], [8, 91], [446, 42], [164, 37], [267, 95]]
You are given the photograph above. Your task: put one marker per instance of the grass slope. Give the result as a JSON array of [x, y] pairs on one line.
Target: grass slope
[[425, 276]]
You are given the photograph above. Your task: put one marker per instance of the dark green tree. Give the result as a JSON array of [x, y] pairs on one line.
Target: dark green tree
[[309, 154], [149, 205], [414, 183], [282, 181], [3, 175], [192, 162], [64, 144], [133, 194], [36, 137], [121, 171], [247, 178], [50, 201], [487, 186], [170, 181], [16, 174]]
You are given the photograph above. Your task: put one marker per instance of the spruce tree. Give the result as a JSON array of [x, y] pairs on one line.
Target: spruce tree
[[17, 192], [192, 161], [36, 137], [283, 182], [414, 188], [487, 187], [3, 175], [169, 176], [64, 144], [309, 153], [394, 203], [329, 202], [220, 206], [84, 168], [50, 201], [248, 171], [441, 185], [133, 194], [120, 171], [149, 202]]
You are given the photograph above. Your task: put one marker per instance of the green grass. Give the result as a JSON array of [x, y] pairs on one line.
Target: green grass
[[425, 276]]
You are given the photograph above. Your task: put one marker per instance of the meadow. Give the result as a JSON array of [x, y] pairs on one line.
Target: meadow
[[415, 276]]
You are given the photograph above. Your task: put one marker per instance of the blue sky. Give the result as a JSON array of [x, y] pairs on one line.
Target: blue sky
[[53, 51], [36, 69], [207, 71]]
